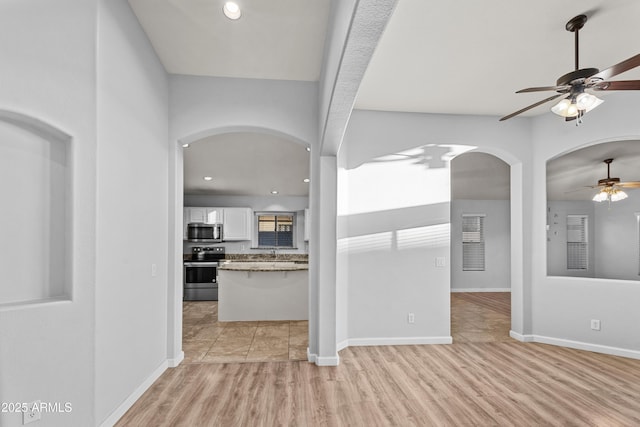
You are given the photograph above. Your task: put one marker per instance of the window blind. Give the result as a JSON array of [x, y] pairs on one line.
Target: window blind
[[473, 258], [275, 230], [577, 242]]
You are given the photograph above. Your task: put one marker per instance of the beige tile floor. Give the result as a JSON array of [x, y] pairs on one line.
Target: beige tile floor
[[205, 340], [480, 317]]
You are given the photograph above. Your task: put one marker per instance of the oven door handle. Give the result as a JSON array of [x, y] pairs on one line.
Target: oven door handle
[[200, 264]]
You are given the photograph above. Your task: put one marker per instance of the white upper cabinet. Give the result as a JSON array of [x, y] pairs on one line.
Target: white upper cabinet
[[205, 215], [237, 224]]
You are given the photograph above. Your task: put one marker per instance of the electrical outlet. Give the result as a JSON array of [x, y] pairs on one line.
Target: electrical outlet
[[595, 324], [154, 270], [32, 413], [441, 261], [411, 318]]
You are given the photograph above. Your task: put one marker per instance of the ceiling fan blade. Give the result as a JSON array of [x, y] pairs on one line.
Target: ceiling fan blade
[[619, 68], [619, 85], [563, 88], [551, 98], [630, 184]]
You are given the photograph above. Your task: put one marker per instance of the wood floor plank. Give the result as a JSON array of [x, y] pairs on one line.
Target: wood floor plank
[[486, 383]]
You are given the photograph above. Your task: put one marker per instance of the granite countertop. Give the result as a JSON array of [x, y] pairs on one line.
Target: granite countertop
[[263, 265], [297, 258]]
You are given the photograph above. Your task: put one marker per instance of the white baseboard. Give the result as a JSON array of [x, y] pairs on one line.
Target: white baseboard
[[311, 357], [323, 360], [480, 289], [172, 363], [356, 342], [520, 337], [328, 361], [342, 345], [133, 397], [596, 348]]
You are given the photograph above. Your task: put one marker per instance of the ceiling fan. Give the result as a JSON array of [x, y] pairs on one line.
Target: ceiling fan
[[572, 86], [610, 188]]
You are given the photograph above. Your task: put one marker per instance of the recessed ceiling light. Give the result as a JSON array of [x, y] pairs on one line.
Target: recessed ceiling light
[[207, 178], [306, 180], [274, 191], [185, 145], [232, 10]]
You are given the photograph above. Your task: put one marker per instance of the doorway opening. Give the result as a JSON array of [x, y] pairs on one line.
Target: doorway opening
[[236, 179], [480, 248]]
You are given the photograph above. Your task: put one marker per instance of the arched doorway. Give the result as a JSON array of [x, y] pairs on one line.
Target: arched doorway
[[252, 171], [480, 248]]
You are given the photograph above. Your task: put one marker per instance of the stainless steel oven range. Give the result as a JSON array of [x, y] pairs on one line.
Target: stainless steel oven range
[[201, 273]]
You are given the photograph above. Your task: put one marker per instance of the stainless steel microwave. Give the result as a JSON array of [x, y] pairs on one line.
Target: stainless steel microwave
[[201, 232]]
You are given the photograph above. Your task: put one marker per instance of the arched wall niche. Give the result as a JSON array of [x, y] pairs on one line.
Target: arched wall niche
[[35, 226], [603, 244]]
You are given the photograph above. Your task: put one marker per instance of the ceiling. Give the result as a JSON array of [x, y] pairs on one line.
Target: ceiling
[[469, 57], [275, 39], [246, 164], [455, 57]]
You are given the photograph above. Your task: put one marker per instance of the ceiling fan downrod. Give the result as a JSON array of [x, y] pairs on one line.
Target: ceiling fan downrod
[[574, 25]]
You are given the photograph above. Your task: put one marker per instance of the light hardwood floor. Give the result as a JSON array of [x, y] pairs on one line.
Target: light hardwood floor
[[204, 339], [485, 383]]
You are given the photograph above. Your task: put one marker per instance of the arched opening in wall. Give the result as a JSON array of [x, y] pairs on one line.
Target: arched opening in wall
[[593, 210], [246, 281], [480, 248], [35, 231]]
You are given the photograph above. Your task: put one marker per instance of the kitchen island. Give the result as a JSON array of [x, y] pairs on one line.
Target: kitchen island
[[263, 290]]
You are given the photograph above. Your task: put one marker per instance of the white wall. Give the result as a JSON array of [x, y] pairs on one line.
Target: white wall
[[564, 306], [497, 225], [47, 351], [396, 220], [616, 238], [557, 237], [257, 204], [131, 302], [203, 106]]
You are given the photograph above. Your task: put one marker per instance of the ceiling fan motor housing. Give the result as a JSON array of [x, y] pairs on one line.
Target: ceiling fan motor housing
[[608, 181], [577, 76]]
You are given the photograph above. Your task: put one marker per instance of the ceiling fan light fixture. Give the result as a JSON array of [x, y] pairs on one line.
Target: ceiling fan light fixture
[[611, 194], [600, 197], [618, 195], [565, 108], [587, 102]]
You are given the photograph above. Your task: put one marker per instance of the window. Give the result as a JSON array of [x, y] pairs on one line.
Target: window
[[473, 242], [275, 229], [577, 242]]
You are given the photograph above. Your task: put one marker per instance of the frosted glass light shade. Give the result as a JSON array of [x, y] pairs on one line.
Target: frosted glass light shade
[[571, 107]]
